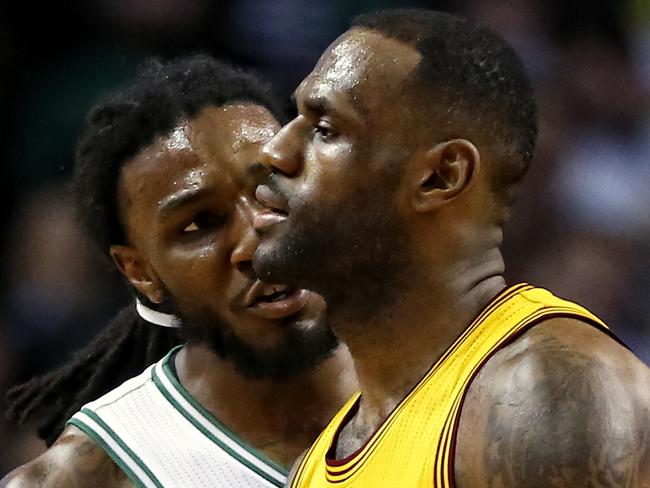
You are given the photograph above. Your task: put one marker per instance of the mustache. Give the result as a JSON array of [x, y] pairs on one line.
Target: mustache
[[272, 181]]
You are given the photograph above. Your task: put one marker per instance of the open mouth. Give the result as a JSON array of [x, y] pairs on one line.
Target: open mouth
[[276, 294], [276, 301]]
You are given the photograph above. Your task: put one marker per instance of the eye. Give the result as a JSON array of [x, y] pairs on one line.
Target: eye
[[191, 228], [203, 221], [324, 131]]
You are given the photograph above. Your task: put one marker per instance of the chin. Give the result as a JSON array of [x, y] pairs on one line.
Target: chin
[[279, 262], [308, 325]]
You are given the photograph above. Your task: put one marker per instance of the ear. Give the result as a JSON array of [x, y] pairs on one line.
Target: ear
[[444, 172], [136, 269]]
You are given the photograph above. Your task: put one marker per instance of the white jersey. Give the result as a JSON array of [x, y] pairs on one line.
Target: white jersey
[[160, 436]]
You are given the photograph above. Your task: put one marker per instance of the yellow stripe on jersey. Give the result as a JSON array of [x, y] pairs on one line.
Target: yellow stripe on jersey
[[414, 447]]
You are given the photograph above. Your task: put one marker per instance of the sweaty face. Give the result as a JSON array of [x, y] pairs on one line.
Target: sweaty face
[[187, 202], [335, 220]]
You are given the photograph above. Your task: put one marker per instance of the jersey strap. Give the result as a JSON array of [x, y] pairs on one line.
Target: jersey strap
[[93, 426], [160, 435], [168, 384]]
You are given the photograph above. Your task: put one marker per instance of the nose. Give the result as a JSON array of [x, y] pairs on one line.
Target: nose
[[242, 254], [282, 153]]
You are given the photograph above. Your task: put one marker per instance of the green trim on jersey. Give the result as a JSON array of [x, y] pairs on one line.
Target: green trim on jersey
[[97, 437], [169, 372], [207, 416]]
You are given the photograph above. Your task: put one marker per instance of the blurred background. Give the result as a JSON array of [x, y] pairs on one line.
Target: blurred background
[[581, 228]]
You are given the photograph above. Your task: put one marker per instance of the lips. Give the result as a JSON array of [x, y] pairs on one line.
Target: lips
[[270, 199], [275, 301], [265, 219], [276, 208]]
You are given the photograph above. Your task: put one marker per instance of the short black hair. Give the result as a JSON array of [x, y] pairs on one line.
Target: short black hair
[[127, 121], [472, 78], [118, 127]]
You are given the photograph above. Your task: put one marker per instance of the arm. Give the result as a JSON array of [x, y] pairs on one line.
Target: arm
[[73, 461], [564, 406]]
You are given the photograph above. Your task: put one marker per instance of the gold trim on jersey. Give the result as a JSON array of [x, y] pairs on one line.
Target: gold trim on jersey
[[433, 406]]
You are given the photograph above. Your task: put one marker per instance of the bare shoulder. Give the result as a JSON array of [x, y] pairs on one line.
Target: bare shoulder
[[565, 405], [73, 461]]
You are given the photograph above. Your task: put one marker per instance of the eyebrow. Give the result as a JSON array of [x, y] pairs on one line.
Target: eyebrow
[[316, 104], [177, 200], [321, 104]]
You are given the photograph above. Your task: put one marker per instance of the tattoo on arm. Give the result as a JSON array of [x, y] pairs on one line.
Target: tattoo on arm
[[69, 463], [566, 421], [90, 467]]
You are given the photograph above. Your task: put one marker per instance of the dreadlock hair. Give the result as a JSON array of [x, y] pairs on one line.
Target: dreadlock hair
[[117, 128], [123, 349]]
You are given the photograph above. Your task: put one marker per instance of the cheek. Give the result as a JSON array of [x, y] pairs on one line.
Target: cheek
[[329, 170], [195, 273], [336, 155]]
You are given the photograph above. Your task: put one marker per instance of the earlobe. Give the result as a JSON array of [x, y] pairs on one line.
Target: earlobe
[[444, 172], [134, 267]]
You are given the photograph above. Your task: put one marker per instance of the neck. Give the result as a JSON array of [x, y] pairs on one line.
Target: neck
[[395, 348], [279, 417]]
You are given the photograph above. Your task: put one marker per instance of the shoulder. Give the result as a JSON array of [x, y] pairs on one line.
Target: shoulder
[[564, 405], [74, 460]]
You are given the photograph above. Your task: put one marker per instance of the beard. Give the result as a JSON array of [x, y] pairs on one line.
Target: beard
[[303, 347], [354, 252]]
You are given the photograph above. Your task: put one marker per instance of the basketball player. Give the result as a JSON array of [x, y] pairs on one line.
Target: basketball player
[[166, 172], [388, 196]]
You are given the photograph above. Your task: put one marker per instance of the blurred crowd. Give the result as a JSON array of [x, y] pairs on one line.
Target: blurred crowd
[[581, 227]]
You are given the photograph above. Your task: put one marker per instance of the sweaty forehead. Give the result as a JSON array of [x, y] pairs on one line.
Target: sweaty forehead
[[230, 129], [362, 65], [213, 150]]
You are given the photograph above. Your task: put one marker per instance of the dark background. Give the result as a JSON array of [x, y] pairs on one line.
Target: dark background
[[581, 227]]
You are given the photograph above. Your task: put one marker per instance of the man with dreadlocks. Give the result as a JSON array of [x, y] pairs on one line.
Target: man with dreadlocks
[[165, 178]]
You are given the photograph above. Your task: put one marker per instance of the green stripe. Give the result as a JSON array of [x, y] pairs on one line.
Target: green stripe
[[121, 443], [214, 421], [209, 435], [112, 454]]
